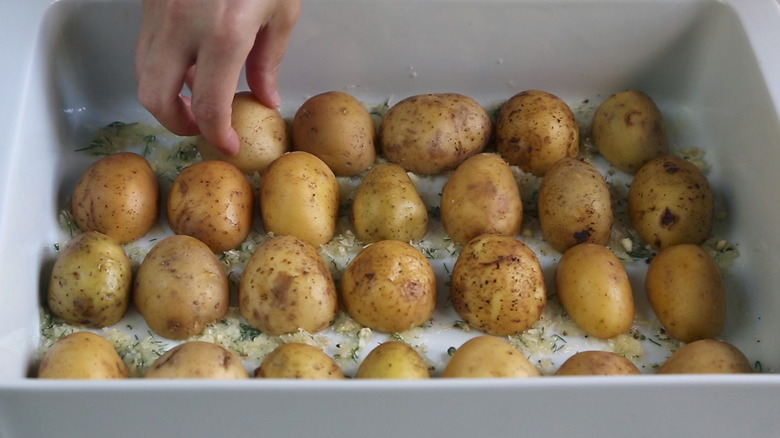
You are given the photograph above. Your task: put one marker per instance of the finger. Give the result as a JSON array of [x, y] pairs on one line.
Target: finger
[[159, 91]]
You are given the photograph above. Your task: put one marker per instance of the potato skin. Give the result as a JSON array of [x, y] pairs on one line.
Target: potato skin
[[298, 361], [535, 129], [286, 286], [387, 206], [706, 356], [82, 355], [497, 285], [389, 286], [393, 360], [197, 360], [262, 135], [488, 356], [686, 290], [628, 129], [302, 177], [181, 287], [575, 205], [91, 282], [119, 196], [597, 363], [670, 202], [212, 201], [338, 129], [481, 196], [595, 290], [432, 133]]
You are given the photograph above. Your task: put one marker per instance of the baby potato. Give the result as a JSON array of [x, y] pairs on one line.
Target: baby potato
[[628, 129], [706, 356], [389, 286], [91, 281], [387, 206], [197, 360], [535, 129], [393, 360], [119, 196], [497, 285], [432, 133], [286, 286], [298, 361], [597, 363], [670, 202], [299, 196], [82, 355], [574, 205], [489, 356], [595, 291], [262, 135], [180, 287], [686, 290], [480, 197], [338, 129], [213, 202]]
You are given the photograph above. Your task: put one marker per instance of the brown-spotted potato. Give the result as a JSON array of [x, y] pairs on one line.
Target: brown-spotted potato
[[298, 361], [489, 356], [706, 356], [393, 360], [197, 360], [597, 363], [82, 355]]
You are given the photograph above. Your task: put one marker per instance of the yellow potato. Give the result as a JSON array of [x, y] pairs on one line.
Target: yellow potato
[[387, 206], [286, 286], [535, 129], [197, 360], [597, 363], [118, 196], [82, 355], [338, 129], [686, 290], [213, 202], [574, 205], [432, 133], [393, 360], [480, 197], [489, 356], [706, 356], [262, 135], [595, 290], [299, 196], [497, 285], [389, 286], [629, 130], [181, 287], [91, 281], [298, 361], [670, 202]]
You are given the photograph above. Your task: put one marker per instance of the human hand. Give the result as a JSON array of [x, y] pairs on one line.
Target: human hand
[[205, 44]]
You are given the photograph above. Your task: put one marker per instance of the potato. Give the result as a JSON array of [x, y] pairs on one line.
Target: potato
[[432, 133], [181, 287], [119, 196], [595, 290], [628, 129], [299, 196], [286, 286], [706, 356], [497, 285], [197, 360], [597, 363], [480, 197], [389, 286], [488, 356], [393, 360], [82, 355], [670, 202], [686, 290], [574, 205], [262, 135], [298, 361], [535, 129], [338, 129], [91, 281], [387, 206], [213, 202]]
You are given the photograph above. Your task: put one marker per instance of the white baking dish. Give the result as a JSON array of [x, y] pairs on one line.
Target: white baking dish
[[713, 67]]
